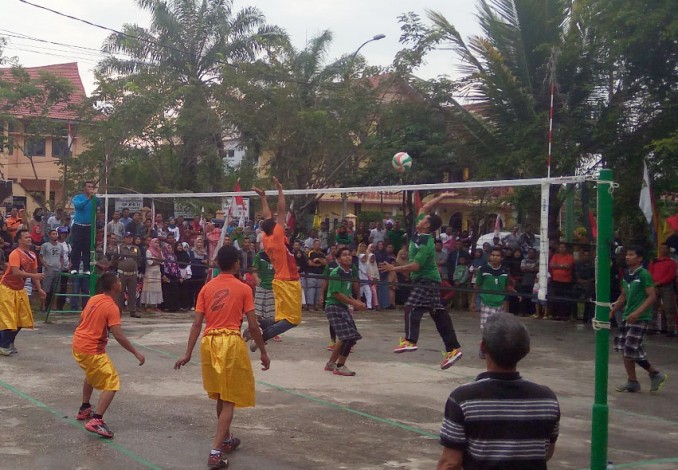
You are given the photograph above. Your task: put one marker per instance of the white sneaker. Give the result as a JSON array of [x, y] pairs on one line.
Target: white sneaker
[[74, 271], [5, 352]]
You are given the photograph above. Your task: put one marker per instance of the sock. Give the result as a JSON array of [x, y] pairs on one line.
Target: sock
[[339, 365], [654, 374], [96, 416], [84, 406], [215, 452], [228, 439]]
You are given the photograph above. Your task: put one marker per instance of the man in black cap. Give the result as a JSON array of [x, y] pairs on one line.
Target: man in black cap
[[127, 257]]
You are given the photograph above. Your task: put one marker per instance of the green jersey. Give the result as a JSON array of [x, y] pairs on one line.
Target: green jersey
[[340, 281], [423, 252], [634, 285], [264, 268], [495, 280]]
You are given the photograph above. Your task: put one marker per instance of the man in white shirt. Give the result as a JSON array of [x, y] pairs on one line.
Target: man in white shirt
[[116, 227], [378, 234], [56, 220]]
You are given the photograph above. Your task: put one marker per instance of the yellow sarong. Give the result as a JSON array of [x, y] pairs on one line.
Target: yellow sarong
[[226, 368], [15, 309], [287, 297], [99, 370]]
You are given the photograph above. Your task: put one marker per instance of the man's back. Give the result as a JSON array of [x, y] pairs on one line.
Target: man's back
[[501, 421]]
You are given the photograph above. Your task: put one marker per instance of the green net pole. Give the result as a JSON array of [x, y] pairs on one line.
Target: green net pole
[[599, 425], [92, 247]]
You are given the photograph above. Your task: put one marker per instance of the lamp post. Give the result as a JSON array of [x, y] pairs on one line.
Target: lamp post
[[376, 37]]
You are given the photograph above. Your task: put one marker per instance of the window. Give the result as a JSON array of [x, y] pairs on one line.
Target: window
[[35, 147], [230, 153], [59, 147]]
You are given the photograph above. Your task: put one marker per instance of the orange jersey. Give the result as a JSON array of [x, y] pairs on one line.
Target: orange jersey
[[224, 300], [283, 262], [100, 314], [27, 261]]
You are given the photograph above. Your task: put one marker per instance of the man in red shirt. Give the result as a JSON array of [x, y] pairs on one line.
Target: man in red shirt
[[663, 271], [562, 275]]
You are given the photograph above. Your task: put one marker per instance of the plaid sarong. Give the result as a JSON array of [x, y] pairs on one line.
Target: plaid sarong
[[629, 340], [342, 322], [264, 303], [425, 294], [486, 312]]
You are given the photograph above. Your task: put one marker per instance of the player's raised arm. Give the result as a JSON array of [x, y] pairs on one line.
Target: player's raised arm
[[265, 210], [282, 207]]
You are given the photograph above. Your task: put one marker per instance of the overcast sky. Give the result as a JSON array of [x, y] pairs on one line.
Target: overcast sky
[[351, 21]]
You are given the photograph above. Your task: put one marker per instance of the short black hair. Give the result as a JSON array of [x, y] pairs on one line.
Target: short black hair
[[268, 225], [497, 248], [227, 256], [506, 339], [85, 183], [435, 222], [107, 281], [637, 249], [341, 249], [20, 232]]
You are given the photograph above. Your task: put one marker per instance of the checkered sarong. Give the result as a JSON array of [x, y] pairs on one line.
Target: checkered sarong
[[486, 312], [264, 303], [629, 340], [342, 322], [425, 294]]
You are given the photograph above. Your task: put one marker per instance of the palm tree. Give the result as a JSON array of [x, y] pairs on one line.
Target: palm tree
[[526, 46], [176, 64]]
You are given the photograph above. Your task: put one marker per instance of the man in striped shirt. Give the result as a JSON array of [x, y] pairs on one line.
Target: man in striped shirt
[[500, 421]]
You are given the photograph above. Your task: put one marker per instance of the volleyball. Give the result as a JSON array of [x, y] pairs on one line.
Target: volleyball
[[401, 161]]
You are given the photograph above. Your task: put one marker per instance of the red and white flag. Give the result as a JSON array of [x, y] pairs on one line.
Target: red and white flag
[[291, 219], [238, 200]]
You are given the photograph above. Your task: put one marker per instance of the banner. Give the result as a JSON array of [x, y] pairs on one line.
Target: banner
[[133, 203], [236, 210]]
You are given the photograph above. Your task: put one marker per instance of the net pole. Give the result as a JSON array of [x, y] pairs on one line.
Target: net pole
[[599, 422], [544, 241]]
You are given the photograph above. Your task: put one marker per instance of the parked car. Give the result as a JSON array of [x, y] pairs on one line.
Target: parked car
[[489, 238]]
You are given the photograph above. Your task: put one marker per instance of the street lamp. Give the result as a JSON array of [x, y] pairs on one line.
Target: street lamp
[[374, 38]]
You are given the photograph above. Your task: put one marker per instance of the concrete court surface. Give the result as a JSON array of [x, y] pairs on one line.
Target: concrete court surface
[[387, 417]]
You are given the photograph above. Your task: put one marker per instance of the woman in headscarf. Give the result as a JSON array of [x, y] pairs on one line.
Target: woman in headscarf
[[170, 279], [151, 292], [184, 262], [199, 264], [37, 237]]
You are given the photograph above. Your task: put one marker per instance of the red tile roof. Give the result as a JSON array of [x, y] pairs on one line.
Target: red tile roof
[[64, 110]]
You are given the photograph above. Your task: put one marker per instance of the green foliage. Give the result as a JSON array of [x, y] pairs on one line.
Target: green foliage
[[308, 118], [164, 99]]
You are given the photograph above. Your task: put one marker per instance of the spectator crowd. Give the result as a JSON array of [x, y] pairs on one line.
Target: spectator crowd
[[163, 263]]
